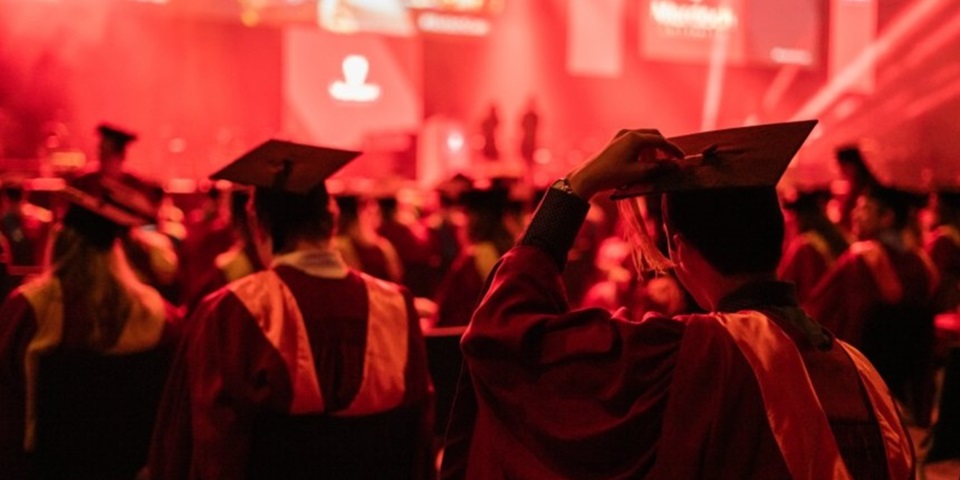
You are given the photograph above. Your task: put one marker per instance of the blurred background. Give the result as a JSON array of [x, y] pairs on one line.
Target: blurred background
[[420, 84]]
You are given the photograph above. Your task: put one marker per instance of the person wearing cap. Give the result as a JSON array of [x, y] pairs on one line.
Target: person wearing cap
[[753, 389], [359, 242], [25, 225], [7, 281], [488, 236], [944, 251], [222, 255], [815, 246], [82, 347], [308, 368], [410, 241], [151, 253], [879, 294], [112, 154]]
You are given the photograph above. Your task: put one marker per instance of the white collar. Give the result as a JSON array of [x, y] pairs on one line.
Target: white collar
[[323, 263]]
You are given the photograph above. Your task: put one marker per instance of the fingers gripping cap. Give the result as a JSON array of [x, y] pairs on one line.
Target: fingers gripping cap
[[285, 166], [754, 156]]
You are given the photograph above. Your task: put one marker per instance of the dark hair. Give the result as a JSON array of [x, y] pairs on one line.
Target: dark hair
[[98, 232], [899, 202], [349, 206], [292, 216], [810, 211], [13, 192], [388, 206], [737, 230]]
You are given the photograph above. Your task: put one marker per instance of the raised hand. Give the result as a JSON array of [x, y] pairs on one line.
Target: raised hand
[[632, 156]]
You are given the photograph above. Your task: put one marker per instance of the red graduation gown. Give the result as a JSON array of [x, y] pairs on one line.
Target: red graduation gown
[[805, 261], [32, 325], [870, 276], [590, 394], [944, 251], [276, 361]]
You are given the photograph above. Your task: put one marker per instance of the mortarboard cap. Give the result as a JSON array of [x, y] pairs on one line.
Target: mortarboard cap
[[901, 200], [106, 207], [117, 135], [949, 195], [485, 197], [286, 166], [754, 156], [807, 199]]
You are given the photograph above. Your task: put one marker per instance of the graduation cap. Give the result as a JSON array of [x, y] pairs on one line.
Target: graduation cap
[[808, 199], [485, 197], [901, 201], [285, 166], [949, 196], [102, 214], [745, 157], [117, 135], [106, 207], [754, 156]]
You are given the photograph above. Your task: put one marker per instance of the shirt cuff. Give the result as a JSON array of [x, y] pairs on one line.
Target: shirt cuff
[[555, 224]]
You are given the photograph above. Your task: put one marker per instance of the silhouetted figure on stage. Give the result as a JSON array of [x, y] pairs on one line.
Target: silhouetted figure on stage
[[529, 124], [306, 369], [488, 130], [84, 353], [754, 389]]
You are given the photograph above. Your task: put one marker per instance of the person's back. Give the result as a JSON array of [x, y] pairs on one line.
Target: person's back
[[815, 247], [754, 389], [879, 298], [487, 239], [84, 350], [305, 369]]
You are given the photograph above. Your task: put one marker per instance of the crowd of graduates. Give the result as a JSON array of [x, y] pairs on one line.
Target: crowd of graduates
[[874, 264]]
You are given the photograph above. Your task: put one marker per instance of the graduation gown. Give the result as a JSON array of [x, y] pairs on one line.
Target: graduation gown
[[805, 261], [880, 299], [944, 251], [378, 259], [460, 290], [756, 390], [869, 278], [307, 368], [32, 330]]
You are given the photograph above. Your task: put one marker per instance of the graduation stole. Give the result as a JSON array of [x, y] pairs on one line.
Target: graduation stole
[[816, 241], [278, 315], [808, 447], [950, 232], [877, 261]]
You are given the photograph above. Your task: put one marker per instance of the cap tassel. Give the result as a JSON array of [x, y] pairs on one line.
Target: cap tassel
[[646, 256]]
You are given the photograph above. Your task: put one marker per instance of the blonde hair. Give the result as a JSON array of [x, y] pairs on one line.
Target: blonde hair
[[100, 284]]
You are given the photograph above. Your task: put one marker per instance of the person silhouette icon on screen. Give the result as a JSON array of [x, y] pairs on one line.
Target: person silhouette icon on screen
[[354, 87]]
